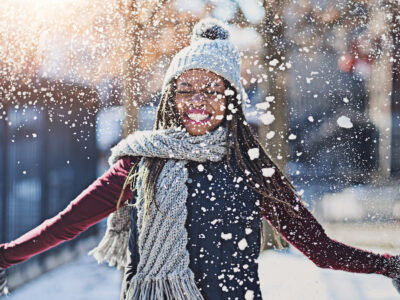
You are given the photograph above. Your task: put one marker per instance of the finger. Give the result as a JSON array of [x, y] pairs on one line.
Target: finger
[[396, 283]]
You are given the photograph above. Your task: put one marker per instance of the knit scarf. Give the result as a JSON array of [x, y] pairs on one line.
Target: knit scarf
[[163, 270]]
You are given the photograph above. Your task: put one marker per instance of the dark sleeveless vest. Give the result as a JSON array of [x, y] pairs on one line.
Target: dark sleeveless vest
[[223, 228]]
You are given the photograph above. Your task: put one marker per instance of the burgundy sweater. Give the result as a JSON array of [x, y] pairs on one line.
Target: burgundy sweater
[[99, 200]]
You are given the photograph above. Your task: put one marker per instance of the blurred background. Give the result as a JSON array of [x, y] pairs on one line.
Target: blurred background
[[323, 79]]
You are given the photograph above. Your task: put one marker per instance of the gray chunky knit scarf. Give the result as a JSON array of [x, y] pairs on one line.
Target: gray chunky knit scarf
[[163, 271]]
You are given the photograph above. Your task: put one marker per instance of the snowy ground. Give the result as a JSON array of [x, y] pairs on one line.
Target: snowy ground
[[291, 276], [284, 275]]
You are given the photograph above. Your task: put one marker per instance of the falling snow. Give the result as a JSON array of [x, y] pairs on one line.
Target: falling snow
[[226, 236], [268, 172], [323, 99], [249, 295], [267, 118], [270, 135], [344, 122], [242, 244], [254, 153]]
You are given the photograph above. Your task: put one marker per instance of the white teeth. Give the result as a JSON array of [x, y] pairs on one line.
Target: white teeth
[[197, 117]]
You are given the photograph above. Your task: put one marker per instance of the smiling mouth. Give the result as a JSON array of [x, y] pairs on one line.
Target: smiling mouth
[[197, 118]]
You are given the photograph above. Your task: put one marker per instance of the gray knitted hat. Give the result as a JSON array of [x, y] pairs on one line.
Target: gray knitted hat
[[212, 50]]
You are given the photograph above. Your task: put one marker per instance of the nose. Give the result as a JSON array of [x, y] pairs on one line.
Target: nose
[[198, 96]]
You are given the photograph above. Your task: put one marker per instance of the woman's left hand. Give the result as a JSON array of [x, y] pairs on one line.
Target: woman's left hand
[[396, 283], [3, 282]]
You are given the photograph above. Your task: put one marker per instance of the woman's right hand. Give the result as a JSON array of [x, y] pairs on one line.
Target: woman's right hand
[[394, 264], [3, 282], [93, 204]]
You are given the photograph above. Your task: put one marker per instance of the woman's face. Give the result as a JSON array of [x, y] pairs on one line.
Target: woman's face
[[200, 100]]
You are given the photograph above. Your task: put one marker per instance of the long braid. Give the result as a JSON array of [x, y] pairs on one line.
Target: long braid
[[276, 188]]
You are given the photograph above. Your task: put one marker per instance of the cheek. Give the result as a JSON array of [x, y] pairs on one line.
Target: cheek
[[179, 106], [220, 107]]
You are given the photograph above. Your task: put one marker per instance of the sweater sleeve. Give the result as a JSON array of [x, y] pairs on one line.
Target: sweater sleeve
[[308, 236], [92, 205]]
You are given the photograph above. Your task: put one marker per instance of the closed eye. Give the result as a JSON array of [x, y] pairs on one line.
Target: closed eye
[[213, 93], [205, 92]]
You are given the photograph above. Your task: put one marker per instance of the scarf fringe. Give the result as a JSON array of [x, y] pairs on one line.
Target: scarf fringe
[[113, 249], [171, 287]]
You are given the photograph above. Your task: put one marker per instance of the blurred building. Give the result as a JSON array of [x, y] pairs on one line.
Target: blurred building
[[48, 156], [336, 140]]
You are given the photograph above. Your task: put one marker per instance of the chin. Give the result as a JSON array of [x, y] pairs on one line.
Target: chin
[[200, 131], [197, 131]]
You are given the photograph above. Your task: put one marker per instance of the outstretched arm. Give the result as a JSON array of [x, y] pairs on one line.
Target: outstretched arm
[[92, 205], [309, 237]]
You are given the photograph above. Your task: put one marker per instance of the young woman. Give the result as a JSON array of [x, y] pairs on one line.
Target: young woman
[[193, 193]]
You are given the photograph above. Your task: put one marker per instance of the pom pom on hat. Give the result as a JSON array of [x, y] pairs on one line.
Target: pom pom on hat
[[210, 28]]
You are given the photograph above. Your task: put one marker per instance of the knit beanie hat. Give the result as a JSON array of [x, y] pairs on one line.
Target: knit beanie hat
[[210, 49]]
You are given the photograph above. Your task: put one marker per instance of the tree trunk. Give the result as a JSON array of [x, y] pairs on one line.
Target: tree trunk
[[395, 107], [272, 30], [131, 82]]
